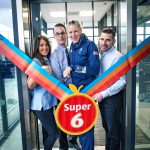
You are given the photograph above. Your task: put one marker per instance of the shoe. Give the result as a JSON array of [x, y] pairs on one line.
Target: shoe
[[74, 145]]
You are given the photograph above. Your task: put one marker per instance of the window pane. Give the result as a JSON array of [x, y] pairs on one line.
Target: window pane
[[53, 14], [147, 30], [89, 32], [140, 30], [9, 102], [142, 136]]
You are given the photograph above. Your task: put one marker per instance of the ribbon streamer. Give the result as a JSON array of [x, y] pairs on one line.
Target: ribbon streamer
[[32, 69], [58, 89], [120, 68]]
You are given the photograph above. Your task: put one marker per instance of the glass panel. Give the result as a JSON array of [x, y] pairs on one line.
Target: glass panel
[[9, 102], [27, 33], [148, 29], [82, 13], [95, 23], [51, 15], [103, 16], [146, 36], [123, 29], [101, 8], [88, 31], [115, 14], [95, 31], [109, 23], [140, 38], [143, 84], [96, 40], [140, 30]]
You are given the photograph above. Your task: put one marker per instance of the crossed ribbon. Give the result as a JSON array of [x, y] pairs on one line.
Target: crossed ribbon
[[58, 89]]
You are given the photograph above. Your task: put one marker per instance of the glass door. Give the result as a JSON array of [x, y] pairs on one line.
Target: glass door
[[142, 135], [10, 127], [45, 16]]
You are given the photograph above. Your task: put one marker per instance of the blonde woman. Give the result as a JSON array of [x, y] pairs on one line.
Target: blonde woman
[[84, 68]]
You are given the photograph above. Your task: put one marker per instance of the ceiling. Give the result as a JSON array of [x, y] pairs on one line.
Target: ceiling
[[73, 9]]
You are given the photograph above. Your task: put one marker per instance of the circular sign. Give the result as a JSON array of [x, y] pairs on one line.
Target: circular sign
[[76, 114]]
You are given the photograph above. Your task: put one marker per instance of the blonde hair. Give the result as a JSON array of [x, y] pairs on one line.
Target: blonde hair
[[75, 22]]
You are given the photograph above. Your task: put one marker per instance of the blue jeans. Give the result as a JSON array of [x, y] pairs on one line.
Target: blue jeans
[[49, 127], [87, 140], [111, 109]]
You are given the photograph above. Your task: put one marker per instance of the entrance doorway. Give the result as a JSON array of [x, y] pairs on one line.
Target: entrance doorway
[[93, 16]]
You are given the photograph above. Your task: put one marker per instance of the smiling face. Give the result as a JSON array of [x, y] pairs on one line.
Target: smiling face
[[43, 48], [74, 31], [60, 35], [106, 41]]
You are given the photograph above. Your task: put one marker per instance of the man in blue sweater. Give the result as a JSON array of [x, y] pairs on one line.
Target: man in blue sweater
[[59, 62]]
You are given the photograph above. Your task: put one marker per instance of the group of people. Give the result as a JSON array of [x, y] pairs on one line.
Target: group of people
[[80, 65]]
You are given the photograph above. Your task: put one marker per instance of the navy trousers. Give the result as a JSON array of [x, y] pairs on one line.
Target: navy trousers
[[64, 138], [111, 110], [49, 127], [87, 140]]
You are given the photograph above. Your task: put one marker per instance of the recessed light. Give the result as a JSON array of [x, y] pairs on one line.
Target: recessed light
[[86, 13], [148, 21], [25, 14], [57, 14]]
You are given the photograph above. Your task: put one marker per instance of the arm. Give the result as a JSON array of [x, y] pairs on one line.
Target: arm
[[112, 90], [31, 83], [67, 72], [117, 86], [93, 66], [55, 64]]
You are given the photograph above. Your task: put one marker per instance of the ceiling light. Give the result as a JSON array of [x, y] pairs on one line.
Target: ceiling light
[[86, 13], [57, 14], [148, 21], [25, 14]]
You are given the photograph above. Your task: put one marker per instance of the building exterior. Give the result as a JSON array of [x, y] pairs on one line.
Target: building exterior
[[22, 20]]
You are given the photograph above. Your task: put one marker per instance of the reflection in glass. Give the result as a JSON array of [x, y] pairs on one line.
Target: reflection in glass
[[10, 131], [143, 84]]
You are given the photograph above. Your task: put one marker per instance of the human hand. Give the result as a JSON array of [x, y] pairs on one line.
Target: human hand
[[98, 97], [67, 72], [48, 69]]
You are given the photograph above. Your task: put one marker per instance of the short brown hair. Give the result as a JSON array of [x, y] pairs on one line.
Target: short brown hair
[[109, 31], [59, 25]]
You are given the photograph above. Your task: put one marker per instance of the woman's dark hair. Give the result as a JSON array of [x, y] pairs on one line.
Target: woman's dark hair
[[36, 53]]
